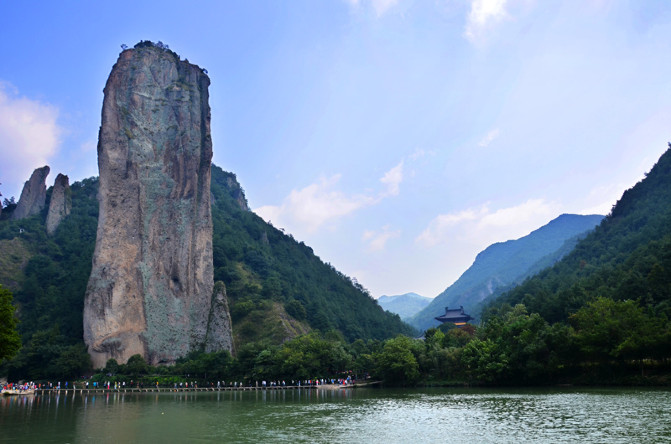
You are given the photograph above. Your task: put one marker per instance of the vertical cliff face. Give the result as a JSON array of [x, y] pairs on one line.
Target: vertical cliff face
[[33, 195], [151, 285], [60, 204]]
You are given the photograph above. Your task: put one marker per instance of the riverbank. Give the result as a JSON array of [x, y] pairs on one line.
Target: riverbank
[[318, 414], [79, 390], [171, 389]]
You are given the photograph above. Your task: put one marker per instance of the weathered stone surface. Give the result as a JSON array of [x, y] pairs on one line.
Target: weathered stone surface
[[236, 192], [33, 195], [60, 204], [219, 327], [151, 285]]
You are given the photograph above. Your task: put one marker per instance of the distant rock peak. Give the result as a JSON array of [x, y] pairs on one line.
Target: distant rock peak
[[33, 196]]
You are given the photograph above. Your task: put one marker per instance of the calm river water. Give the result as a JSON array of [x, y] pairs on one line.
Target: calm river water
[[344, 416]]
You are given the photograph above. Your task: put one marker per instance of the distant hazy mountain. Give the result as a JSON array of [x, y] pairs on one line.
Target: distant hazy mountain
[[506, 264], [404, 305]]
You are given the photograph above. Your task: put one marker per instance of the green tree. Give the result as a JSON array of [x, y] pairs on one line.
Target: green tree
[[484, 361], [73, 362], [112, 366], [296, 309], [10, 341], [607, 329], [521, 338], [396, 363], [136, 366]]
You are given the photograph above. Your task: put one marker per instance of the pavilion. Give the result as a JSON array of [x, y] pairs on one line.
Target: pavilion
[[455, 316]]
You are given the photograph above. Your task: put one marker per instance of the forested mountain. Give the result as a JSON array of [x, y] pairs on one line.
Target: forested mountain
[[601, 315], [627, 257], [505, 264], [277, 287], [404, 305], [48, 276]]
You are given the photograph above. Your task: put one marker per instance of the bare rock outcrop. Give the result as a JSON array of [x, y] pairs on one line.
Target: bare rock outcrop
[[151, 285], [219, 326], [236, 192], [33, 196], [60, 204]]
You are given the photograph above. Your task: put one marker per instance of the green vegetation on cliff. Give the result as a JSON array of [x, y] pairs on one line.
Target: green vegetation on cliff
[[51, 286], [9, 336], [607, 342], [600, 315], [627, 257], [277, 287]]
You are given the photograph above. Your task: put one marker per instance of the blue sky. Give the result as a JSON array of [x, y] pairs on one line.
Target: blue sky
[[398, 138]]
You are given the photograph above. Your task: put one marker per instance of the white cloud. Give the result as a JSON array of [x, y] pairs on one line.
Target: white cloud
[[311, 207], [489, 138], [378, 240], [392, 179], [382, 6], [482, 16], [601, 199], [317, 204], [420, 153], [379, 6], [417, 154], [29, 136], [480, 227], [442, 226], [525, 215]]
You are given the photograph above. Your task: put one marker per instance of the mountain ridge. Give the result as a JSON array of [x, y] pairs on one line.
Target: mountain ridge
[[625, 257], [405, 305], [506, 263]]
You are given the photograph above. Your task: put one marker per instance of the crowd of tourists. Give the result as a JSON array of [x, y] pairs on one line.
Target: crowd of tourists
[[307, 382], [19, 387], [122, 385]]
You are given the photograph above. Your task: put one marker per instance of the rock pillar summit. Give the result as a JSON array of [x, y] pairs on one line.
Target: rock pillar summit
[[151, 286]]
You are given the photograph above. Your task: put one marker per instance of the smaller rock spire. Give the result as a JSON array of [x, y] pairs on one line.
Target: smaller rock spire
[[33, 196], [60, 204]]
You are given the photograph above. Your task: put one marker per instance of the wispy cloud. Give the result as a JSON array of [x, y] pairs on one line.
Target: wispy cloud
[[377, 240], [379, 6], [420, 153], [489, 138], [442, 228], [484, 14], [311, 207], [482, 226], [600, 200], [29, 134], [317, 204], [392, 179]]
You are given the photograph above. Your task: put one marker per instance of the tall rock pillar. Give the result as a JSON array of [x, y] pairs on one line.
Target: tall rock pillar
[[151, 285]]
